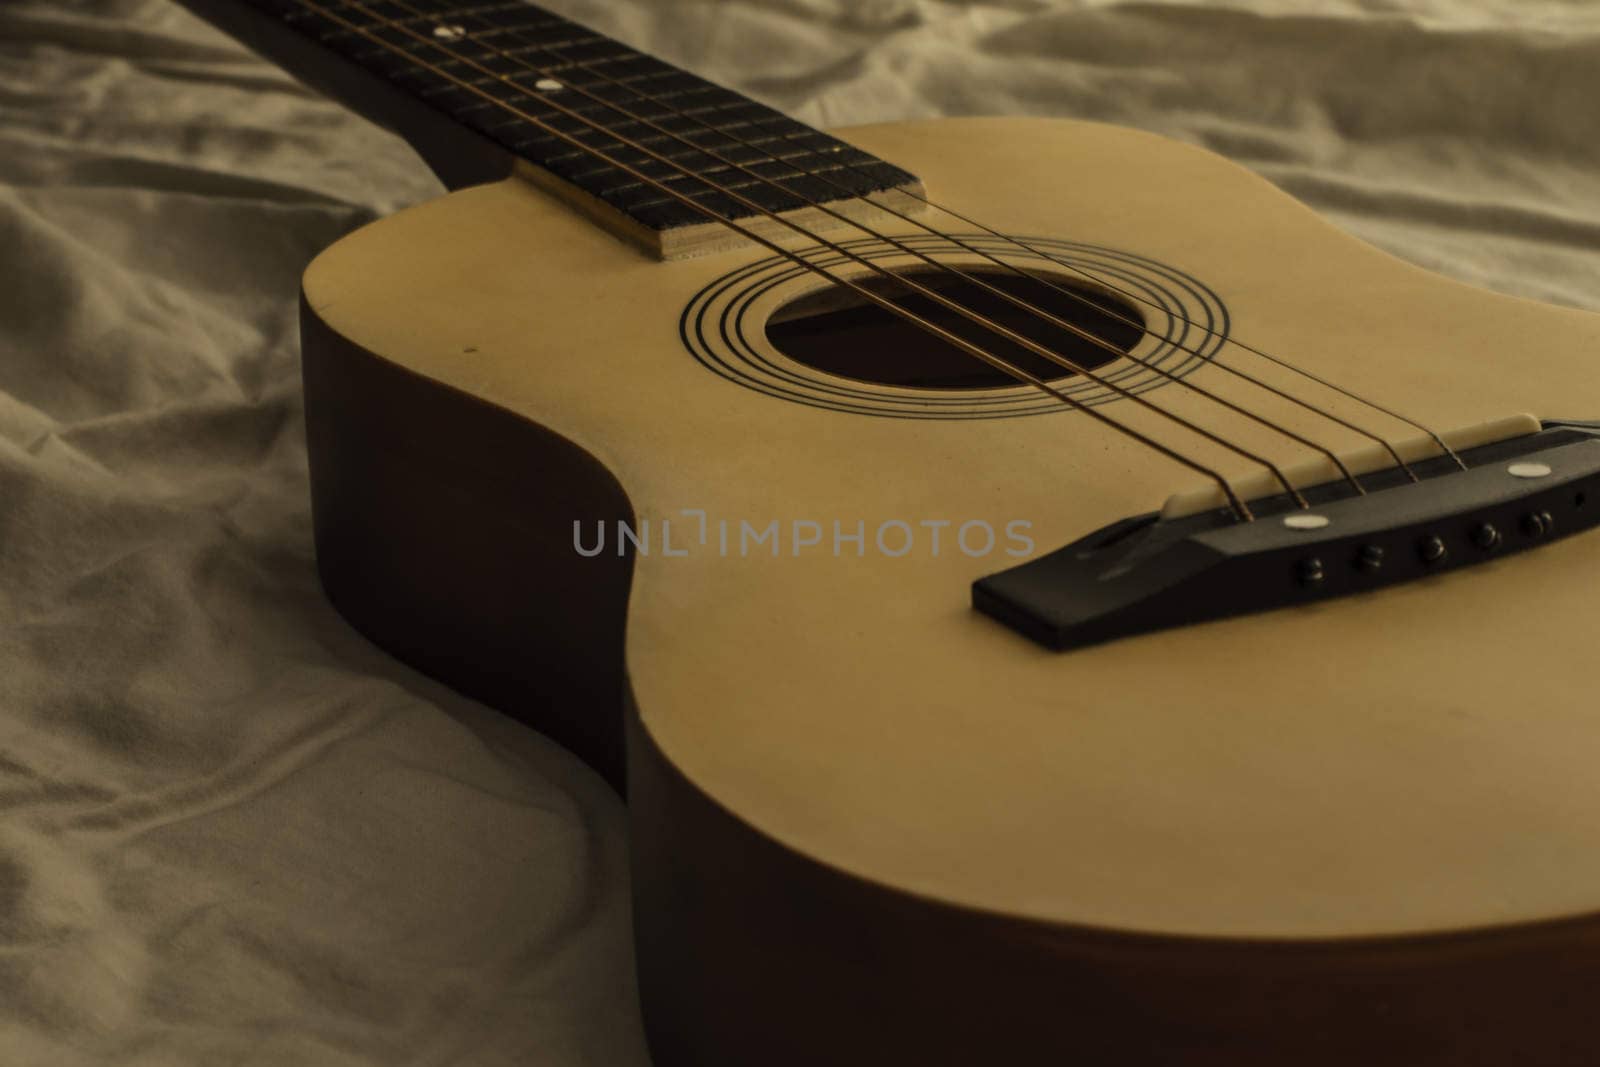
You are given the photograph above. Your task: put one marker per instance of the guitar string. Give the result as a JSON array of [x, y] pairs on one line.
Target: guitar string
[[783, 185], [1240, 510], [1099, 279], [501, 31], [588, 67], [1444, 447], [529, 68], [1235, 504], [873, 198], [994, 327], [419, 15]]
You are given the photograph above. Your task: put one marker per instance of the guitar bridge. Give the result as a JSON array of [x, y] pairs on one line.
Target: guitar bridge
[[1155, 571]]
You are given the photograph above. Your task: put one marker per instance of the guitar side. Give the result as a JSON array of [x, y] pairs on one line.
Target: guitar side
[[791, 908], [443, 533]]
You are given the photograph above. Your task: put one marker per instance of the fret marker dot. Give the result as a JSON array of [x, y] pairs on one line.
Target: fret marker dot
[[449, 33], [1528, 470], [1303, 521], [547, 85]]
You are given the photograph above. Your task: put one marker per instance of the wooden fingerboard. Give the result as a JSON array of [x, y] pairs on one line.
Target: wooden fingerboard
[[645, 147]]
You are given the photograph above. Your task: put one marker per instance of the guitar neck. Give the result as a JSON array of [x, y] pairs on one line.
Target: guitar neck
[[480, 88]]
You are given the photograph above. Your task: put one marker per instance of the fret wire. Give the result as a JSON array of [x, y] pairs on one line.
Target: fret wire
[[650, 203], [695, 98], [470, 12], [789, 170]]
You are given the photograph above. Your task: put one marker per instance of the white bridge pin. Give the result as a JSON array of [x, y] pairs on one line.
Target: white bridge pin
[[1528, 470], [547, 85], [449, 33], [1303, 521]]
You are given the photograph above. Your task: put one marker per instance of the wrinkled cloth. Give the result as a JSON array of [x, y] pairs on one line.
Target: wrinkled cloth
[[231, 831]]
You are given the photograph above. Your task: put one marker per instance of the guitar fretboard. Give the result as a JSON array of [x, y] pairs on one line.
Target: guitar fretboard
[[611, 121]]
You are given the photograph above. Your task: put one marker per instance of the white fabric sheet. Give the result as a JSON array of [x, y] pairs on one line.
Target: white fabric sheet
[[233, 832]]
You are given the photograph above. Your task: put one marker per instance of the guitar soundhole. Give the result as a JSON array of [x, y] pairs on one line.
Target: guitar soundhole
[[841, 332], [771, 326]]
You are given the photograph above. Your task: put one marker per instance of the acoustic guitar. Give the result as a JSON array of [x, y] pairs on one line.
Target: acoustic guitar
[[1047, 596]]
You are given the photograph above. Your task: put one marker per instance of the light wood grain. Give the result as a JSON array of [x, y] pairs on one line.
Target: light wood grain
[[1417, 760]]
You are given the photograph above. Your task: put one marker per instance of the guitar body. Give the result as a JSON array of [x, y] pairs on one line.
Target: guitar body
[[875, 827]]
